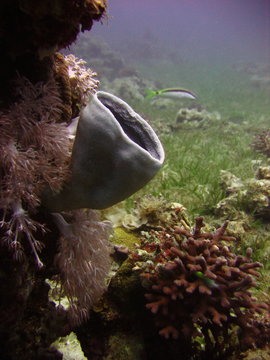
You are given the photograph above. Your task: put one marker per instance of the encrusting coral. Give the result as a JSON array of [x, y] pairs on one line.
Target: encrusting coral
[[198, 290]]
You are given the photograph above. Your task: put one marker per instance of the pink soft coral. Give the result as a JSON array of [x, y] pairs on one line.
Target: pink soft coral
[[34, 152], [83, 259]]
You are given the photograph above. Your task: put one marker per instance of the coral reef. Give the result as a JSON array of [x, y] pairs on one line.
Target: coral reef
[[149, 211], [186, 293], [42, 95], [246, 206], [153, 211], [37, 143], [198, 290]]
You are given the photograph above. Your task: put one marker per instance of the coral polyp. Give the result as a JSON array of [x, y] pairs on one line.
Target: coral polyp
[[197, 288]]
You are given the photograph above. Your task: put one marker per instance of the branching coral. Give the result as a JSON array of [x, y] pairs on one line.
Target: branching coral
[[83, 259], [197, 288]]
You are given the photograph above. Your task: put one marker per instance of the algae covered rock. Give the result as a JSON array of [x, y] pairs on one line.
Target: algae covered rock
[[251, 195], [195, 118], [130, 87], [123, 346], [69, 347]]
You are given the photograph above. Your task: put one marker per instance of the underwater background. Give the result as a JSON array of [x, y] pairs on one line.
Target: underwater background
[[220, 50], [180, 269], [217, 146]]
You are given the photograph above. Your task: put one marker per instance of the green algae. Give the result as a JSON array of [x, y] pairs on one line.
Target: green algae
[[125, 289], [123, 346], [123, 237], [69, 347]]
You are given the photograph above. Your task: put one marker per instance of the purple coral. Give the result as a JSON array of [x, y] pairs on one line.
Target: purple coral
[[198, 288]]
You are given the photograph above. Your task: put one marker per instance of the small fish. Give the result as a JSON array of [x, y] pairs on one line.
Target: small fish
[[208, 282], [170, 93]]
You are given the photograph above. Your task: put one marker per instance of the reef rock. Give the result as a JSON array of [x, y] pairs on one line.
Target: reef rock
[[195, 118], [252, 195], [127, 87], [69, 347]]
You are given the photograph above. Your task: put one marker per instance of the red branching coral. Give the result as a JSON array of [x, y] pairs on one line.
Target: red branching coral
[[198, 288]]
